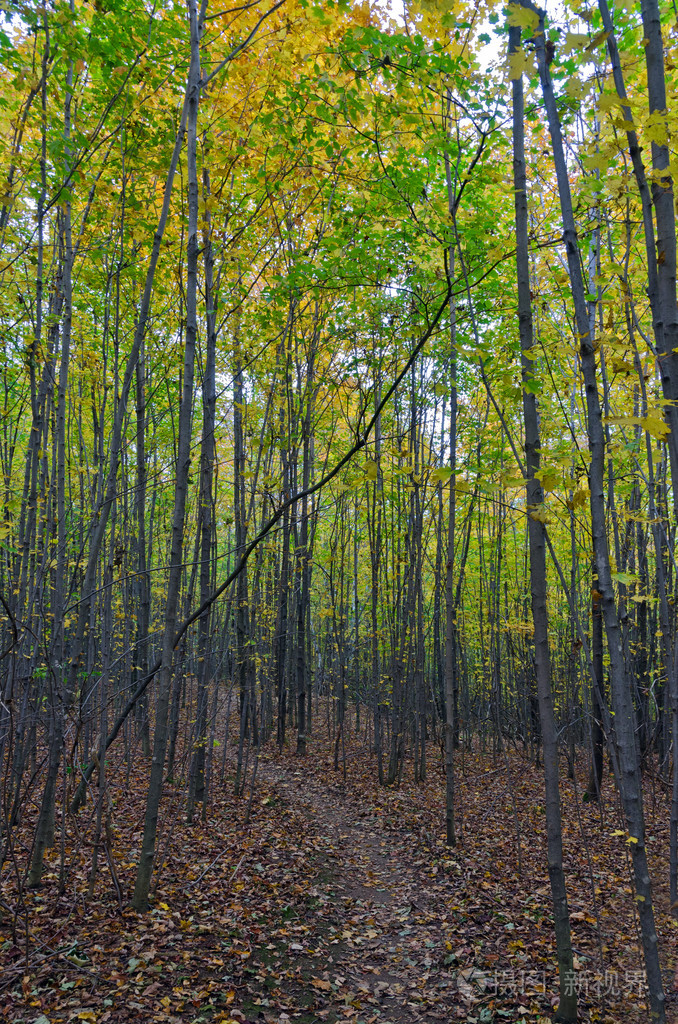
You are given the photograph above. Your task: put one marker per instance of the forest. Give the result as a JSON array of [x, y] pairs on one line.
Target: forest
[[339, 473]]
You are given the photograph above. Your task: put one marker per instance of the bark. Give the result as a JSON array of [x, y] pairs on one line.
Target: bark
[[567, 1008], [63, 684], [147, 855], [597, 689], [264, 531], [119, 417], [143, 582], [451, 684], [662, 262], [196, 791], [374, 523], [303, 554], [631, 789]]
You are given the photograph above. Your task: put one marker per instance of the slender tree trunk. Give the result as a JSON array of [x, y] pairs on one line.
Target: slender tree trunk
[[143, 580], [147, 856], [375, 493], [567, 1008], [63, 685], [451, 686], [119, 417], [196, 790], [597, 690], [630, 778]]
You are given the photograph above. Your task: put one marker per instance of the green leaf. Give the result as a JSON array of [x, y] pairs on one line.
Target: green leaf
[[625, 577]]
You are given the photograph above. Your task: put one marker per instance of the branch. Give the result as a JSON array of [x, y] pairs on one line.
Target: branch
[[241, 46], [256, 541]]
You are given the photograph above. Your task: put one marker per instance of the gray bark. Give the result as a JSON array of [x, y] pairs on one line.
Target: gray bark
[[630, 778], [196, 791], [147, 854], [567, 1009]]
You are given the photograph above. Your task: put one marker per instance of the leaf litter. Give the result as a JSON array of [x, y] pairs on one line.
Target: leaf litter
[[340, 901]]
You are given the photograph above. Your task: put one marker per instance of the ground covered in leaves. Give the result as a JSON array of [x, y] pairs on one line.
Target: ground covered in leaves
[[339, 901]]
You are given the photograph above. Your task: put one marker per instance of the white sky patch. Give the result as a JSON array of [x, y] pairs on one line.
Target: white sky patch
[[490, 56]]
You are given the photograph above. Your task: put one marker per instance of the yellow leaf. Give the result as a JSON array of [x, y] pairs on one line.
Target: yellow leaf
[[520, 63], [656, 129], [632, 839], [607, 100], [656, 425], [597, 40], [623, 421], [575, 41], [596, 162], [575, 88], [539, 515], [548, 479], [580, 497], [371, 470], [523, 17]]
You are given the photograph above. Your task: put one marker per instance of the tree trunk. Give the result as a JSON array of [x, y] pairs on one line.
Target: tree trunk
[[631, 788], [196, 789], [147, 855], [567, 1008]]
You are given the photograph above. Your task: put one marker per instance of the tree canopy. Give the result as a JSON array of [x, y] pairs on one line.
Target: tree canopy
[[340, 363]]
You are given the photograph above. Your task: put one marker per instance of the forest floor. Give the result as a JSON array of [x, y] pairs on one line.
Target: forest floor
[[339, 902]]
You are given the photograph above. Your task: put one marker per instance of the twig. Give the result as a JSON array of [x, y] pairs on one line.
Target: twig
[[209, 866]]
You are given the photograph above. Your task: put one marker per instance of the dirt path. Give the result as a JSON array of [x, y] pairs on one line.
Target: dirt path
[[386, 961]]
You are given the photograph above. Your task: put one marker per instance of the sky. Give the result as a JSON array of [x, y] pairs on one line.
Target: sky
[[493, 52]]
